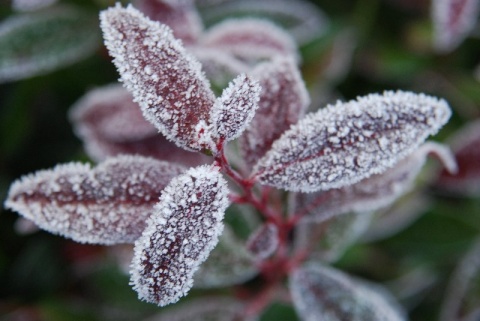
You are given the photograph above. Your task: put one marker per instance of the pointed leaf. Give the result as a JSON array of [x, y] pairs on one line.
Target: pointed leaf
[[234, 110], [453, 20], [204, 309], [181, 16], [110, 123], [283, 101], [347, 142], [31, 5], [322, 293], [466, 147], [179, 236], [264, 241], [374, 192], [300, 18], [250, 39], [165, 80], [228, 264], [37, 43], [105, 205], [463, 292]]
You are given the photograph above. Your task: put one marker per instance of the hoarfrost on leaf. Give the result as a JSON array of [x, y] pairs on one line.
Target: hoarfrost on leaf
[[264, 241], [283, 101], [323, 293], [104, 205], [179, 235], [344, 143], [173, 92], [234, 110]]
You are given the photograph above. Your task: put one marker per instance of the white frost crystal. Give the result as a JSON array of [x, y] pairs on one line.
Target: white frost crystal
[[105, 205], [347, 142], [179, 236]]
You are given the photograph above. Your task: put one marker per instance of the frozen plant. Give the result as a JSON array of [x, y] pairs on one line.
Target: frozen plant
[[349, 157]]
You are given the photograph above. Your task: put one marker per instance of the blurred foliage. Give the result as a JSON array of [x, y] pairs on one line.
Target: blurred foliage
[[45, 277]]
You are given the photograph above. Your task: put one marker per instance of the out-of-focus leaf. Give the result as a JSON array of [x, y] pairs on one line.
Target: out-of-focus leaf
[[462, 297], [264, 241], [31, 5], [38, 43], [228, 264], [323, 293]]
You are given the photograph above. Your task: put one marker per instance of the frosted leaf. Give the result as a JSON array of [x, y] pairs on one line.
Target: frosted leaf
[[374, 192], [466, 147], [109, 123], [234, 110], [203, 309], [283, 101], [180, 235], [300, 18], [328, 240], [104, 205], [323, 293], [180, 15], [31, 5], [219, 66], [453, 20], [164, 79], [249, 39], [344, 143], [40, 42], [264, 241], [463, 292], [228, 264]]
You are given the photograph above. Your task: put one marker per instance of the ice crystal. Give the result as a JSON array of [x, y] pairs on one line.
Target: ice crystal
[[453, 20], [250, 39], [234, 110], [283, 100], [322, 293], [264, 241], [374, 192], [347, 142], [173, 92], [105, 205], [179, 235], [180, 15]]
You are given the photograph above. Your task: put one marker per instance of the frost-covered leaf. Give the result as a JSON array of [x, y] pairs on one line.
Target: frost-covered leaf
[[466, 147], [180, 15], [40, 42], [110, 123], [283, 101], [463, 292], [322, 293], [328, 240], [228, 264], [234, 110], [344, 143], [264, 241], [31, 5], [250, 39], [300, 18], [180, 235], [104, 205], [164, 79], [203, 309], [453, 20], [374, 192]]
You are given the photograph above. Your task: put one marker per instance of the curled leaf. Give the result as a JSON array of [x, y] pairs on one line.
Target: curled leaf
[[234, 110], [283, 101], [322, 293], [105, 205], [250, 39], [264, 241], [173, 92], [344, 143], [453, 20], [39, 42], [179, 235]]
